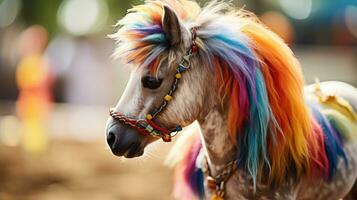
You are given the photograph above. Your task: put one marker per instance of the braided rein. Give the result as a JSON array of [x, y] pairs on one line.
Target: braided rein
[[147, 126]]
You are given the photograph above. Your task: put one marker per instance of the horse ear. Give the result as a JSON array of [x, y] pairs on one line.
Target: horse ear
[[171, 26]]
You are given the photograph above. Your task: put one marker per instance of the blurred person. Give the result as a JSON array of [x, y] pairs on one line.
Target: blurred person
[[34, 80]]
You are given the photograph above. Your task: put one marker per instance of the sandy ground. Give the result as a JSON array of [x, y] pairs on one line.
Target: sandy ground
[[82, 170]]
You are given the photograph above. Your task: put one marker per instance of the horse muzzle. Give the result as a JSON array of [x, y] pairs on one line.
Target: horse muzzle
[[124, 141]]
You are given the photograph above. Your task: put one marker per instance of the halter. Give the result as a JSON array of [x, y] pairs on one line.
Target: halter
[[217, 184], [147, 126]]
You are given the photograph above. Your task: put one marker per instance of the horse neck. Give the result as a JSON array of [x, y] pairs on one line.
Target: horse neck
[[218, 146]]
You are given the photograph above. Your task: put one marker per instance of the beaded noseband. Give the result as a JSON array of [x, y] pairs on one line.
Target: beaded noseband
[[147, 126]]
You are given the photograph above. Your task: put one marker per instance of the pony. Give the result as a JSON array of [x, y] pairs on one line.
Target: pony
[[262, 134]]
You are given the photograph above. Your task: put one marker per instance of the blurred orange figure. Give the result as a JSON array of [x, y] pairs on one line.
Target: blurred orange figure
[[34, 82]]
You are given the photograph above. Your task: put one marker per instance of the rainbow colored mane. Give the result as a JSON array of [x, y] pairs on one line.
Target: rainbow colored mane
[[276, 133]]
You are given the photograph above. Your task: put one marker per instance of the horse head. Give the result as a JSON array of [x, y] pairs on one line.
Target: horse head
[[166, 89]]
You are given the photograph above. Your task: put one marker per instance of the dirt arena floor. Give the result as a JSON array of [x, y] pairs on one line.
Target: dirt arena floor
[[82, 170]]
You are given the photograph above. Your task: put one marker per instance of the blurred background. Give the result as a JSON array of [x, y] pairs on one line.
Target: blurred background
[[57, 81]]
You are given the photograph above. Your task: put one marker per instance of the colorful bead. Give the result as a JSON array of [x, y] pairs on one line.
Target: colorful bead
[[178, 75], [155, 133], [182, 68], [178, 128], [211, 183], [149, 129], [166, 137], [194, 48], [216, 197], [168, 97], [149, 117]]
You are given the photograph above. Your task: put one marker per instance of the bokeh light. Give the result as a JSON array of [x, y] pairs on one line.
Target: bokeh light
[[61, 51], [8, 11], [279, 24], [351, 19], [80, 17], [297, 9]]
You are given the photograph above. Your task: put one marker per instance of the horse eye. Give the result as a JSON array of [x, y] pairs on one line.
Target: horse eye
[[151, 82]]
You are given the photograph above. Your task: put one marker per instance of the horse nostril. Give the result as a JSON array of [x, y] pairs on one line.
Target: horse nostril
[[124, 141], [110, 139]]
